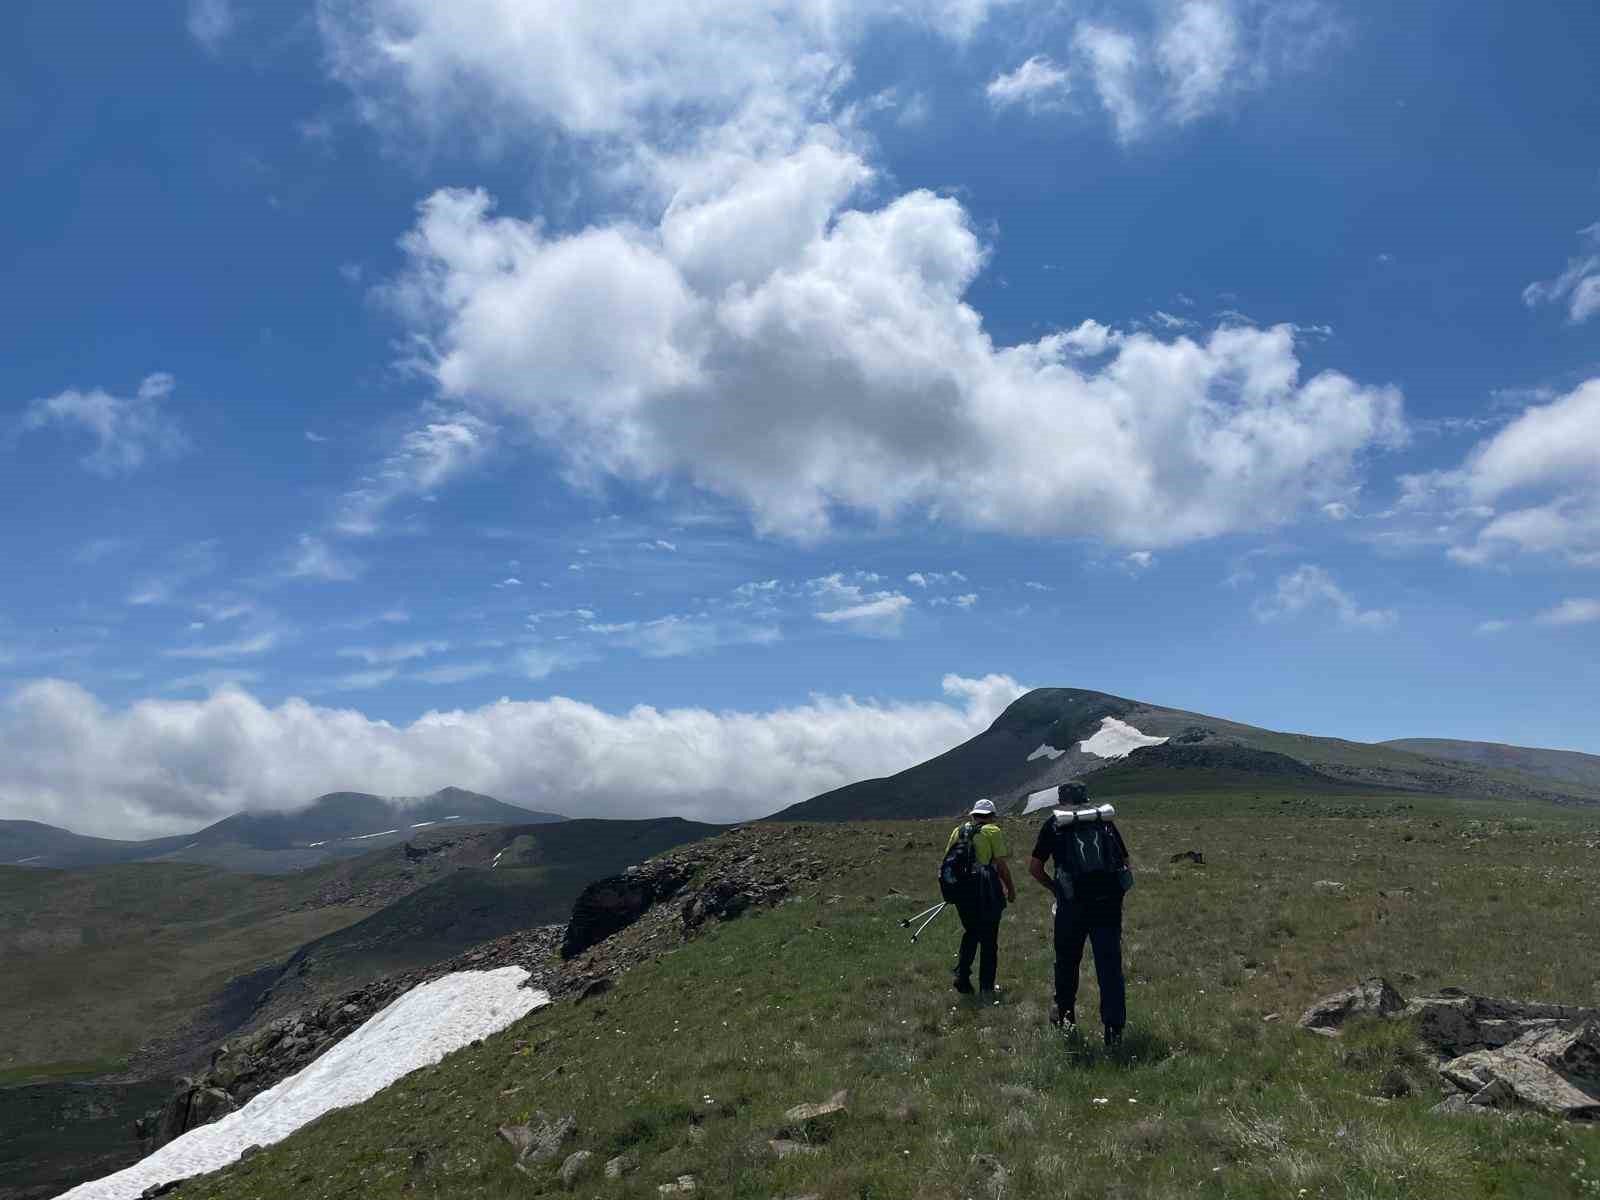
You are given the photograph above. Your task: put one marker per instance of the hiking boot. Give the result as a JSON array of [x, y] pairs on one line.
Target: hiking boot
[[990, 996], [1113, 1036], [1062, 1018], [964, 986]]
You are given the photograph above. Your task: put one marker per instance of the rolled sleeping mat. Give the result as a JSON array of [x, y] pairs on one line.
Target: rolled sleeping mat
[[1069, 816]]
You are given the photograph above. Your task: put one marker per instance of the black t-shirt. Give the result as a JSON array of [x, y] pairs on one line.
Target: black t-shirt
[[1090, 888]]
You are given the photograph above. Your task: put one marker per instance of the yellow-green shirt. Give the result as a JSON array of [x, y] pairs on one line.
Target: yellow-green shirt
[[988, 843]]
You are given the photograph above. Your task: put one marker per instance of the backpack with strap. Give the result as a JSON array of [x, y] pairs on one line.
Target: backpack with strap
[[958, 874], [1091, 859]]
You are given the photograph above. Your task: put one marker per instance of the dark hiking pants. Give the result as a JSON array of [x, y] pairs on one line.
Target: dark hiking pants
[[1100, 923], [981, 932]]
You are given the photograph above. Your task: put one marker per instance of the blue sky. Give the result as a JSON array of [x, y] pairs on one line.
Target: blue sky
[[768, 364]]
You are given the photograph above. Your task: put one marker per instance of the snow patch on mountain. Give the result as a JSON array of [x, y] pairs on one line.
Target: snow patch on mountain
[[416, 1030], [1046, 750], [1116, 739]]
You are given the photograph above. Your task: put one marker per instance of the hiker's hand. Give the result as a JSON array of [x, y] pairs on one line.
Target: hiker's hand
[[1011, 895]]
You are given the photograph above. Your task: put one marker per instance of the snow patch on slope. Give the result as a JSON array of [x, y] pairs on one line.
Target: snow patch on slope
[[416, 1030], [1046, 750], [1116, 739], [1038, 800]]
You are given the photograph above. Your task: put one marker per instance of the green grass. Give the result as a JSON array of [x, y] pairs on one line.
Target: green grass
[[99, 959], [692, 1060], [59, 1072]]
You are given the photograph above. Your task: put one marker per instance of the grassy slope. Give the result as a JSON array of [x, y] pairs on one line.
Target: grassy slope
[[1567, 766], [692, 1060], [96, 960]]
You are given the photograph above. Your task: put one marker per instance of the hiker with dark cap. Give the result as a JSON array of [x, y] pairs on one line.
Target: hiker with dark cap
[[974, 873], [1091, 874]]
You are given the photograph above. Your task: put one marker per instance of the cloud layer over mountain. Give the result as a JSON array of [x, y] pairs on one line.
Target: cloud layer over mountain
[[163, 766]]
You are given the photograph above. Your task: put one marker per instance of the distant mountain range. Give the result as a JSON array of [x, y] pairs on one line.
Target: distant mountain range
[[337, 825], [1123, 746]]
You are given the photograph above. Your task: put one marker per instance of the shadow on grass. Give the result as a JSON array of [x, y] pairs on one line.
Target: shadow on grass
[[1138, 1048]]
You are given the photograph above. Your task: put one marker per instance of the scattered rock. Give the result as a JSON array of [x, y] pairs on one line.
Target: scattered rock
[[1371, 997], [815, 1121], [1457, 1105], [784, 1147], [595, 987], [1329, 887], [1195, 856], [1270, 1017], [684, 1185], [622, 1164], [574, 1167], [250, 1151], [541, 1139], [993, 1173], [907, 1113], [160, 1189]]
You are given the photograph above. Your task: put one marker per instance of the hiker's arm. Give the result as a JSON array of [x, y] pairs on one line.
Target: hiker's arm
[[1004, 870], [1036, 869]]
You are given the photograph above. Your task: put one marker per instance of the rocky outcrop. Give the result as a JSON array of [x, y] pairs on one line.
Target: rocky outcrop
[[1554, 1070], [1494, 1054], [190, 1107], [1371, 997], [614, 903], [1455, 1022], [716, 880]]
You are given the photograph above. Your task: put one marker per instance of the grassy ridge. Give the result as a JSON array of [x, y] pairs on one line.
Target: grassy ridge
[[691, 1061]]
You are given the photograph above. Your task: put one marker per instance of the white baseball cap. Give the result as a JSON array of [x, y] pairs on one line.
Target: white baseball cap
[[984, 808]]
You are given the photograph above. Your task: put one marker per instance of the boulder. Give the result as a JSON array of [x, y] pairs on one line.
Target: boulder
[[1454, 1022], [1371, 997], [1328, 887], [1553, 1070], [684, 1185], [816, 1120], [614, 903], [622, 1164], [785, 1147], [1197, 857], [994, 1175], [191, 1107], [573, 1169], [541, 1139]]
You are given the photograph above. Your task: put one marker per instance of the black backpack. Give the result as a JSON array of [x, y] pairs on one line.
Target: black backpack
[[1090, 859], [958, 874]]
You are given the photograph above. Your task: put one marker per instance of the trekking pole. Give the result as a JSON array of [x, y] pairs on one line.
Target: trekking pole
[[909, 921], [929, 921]]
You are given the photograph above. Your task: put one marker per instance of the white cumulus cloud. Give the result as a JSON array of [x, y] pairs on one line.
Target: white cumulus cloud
[[1578, 287], [1538, 482], [1572, 612], [161, 766], [1311, 588], [128, 431], [747, 374], [1036, 85]]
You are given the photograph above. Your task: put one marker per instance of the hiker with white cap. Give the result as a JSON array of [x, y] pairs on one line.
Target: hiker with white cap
[[972, 878]]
